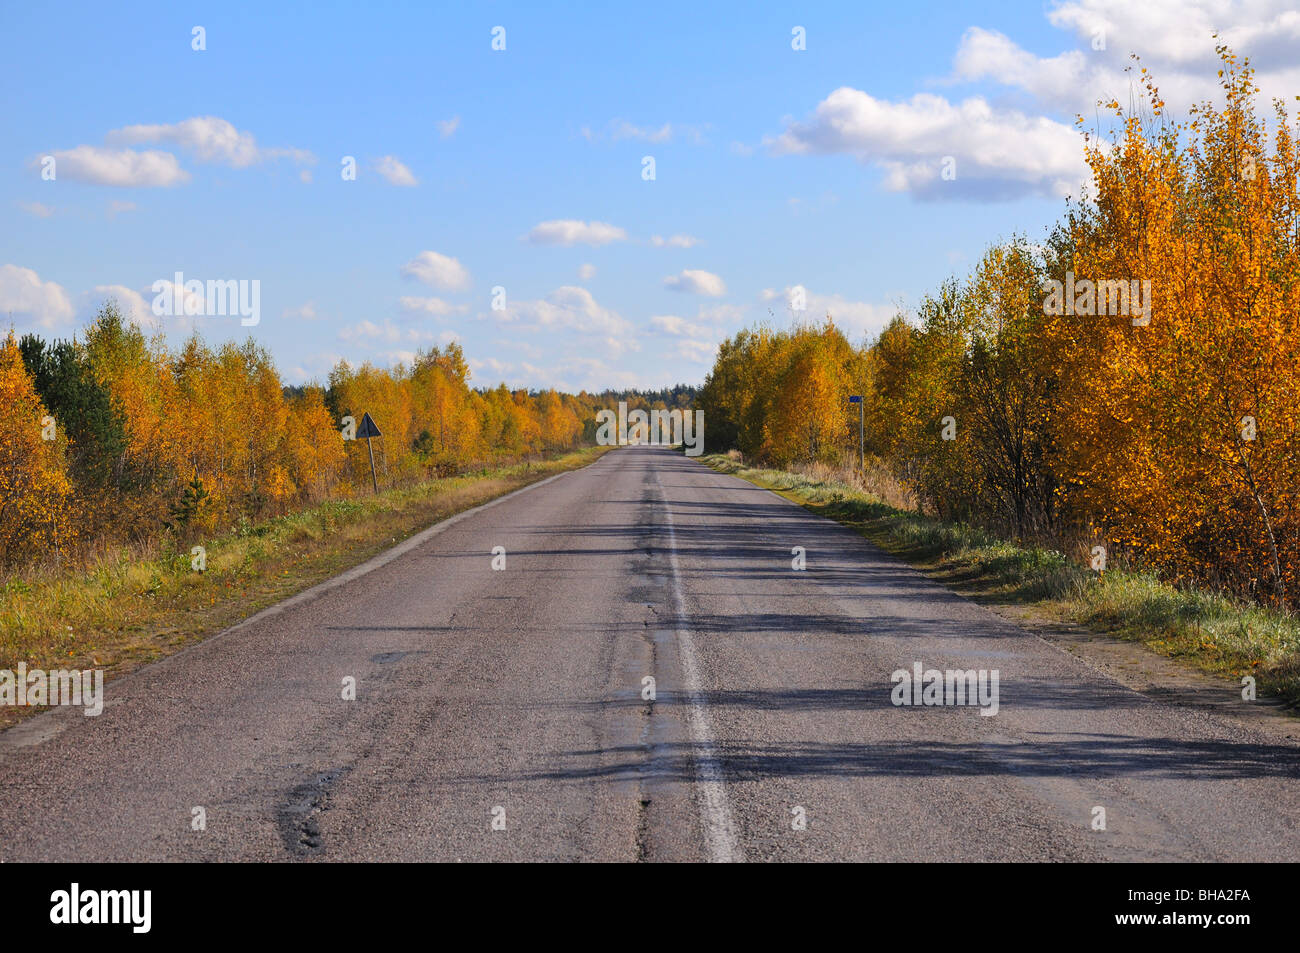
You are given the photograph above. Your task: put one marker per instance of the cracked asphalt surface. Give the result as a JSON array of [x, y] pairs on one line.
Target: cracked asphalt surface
[[502, 715]]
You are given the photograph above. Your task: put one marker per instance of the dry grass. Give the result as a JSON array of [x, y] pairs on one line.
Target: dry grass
[[134, 606], [876, 480]]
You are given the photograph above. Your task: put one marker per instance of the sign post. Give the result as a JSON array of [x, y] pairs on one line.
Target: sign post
[[862, 444], [368, 430]]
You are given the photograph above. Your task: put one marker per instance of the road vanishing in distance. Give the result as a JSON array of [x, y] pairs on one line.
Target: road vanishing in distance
[[502, 714]]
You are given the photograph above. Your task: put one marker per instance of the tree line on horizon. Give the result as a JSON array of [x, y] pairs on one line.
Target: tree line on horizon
[[112, 437]]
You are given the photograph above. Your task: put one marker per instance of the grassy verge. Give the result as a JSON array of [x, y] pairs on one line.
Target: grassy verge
[[1214, 633], [128, 611]]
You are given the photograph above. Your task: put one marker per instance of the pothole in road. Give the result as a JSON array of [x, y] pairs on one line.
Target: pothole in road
[[299, 817]]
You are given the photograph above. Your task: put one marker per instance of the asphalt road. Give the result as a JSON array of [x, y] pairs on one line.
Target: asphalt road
[[499, 715]]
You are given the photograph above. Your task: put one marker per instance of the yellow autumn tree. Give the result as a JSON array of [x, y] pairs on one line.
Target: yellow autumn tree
[[809, 416], [1182, 444], [35, 493]]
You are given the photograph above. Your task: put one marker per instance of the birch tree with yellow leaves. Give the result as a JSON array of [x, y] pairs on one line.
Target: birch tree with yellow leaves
[[35, 493], [1182, 439]]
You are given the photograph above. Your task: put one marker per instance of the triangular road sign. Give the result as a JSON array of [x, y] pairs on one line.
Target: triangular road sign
[[367, 428]]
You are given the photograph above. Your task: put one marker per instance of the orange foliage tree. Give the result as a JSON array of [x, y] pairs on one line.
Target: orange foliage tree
[[35, 494]]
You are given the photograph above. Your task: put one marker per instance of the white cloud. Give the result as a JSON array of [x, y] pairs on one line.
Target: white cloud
[[395, 172], [1179, 32], [116, 208], [210, 138], [435, 306], [574, 309], [570, 231], [586, 272], [723, 314], [135, 307], [697, 282], [692, 342], [36, 209], [1175, 40], [120, 167], [406, 358], [447, 127], [697, 352], [680, 327], [304, 312], [985, 53], [620, 130], [997, 154], [304, 176], [386, 333], [856, 319], [437, 270], [490, 364], [1026, 144], [43, 303], [675, 241], [188, 305]]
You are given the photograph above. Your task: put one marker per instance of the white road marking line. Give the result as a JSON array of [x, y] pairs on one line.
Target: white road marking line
[[715, 810]]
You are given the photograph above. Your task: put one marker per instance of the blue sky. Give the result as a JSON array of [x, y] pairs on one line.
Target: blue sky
[[775, 168]]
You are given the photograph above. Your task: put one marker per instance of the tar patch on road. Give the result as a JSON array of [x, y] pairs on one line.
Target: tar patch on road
[[299, 818], [383, 658]]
